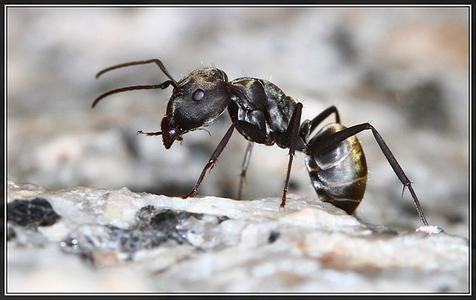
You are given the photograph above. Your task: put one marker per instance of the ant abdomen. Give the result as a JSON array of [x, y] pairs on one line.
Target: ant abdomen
[[339, 175]]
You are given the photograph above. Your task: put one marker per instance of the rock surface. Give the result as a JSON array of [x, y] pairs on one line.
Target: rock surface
[[404, 69], [120, 241]]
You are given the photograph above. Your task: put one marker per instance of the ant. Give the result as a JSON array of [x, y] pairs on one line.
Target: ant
[[263, 114]]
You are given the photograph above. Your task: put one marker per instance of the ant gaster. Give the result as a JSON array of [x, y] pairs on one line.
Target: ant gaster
[[263, 114]]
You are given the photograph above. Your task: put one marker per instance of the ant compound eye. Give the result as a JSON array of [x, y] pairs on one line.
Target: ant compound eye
[[198, 95]]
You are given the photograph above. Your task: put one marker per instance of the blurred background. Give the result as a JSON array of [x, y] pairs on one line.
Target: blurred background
[[405, 70]]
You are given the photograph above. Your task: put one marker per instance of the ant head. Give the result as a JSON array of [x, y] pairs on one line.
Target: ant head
[[197, 100]]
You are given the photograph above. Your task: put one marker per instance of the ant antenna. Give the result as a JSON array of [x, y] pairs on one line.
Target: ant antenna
[[137, 87], [130, 88], [157, 61]]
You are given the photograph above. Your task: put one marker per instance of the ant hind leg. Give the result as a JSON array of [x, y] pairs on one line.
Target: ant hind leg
[[324, 143], [244, 167]]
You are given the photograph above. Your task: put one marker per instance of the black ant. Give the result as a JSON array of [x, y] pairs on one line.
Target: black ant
[[263, 114]]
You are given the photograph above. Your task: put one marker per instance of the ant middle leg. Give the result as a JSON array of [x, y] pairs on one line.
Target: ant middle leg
[[308, 126], [244, 167], [293, 133], [212, 161], [324, 143]]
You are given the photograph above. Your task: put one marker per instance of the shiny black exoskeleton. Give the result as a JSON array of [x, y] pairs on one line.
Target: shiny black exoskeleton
[[263, 114]]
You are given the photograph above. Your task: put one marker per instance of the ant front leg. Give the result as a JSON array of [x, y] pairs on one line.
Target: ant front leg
[[212, 161], [244, 167], [308, 126], [324, 143], [324, 114], [149, 133], [294, 134]]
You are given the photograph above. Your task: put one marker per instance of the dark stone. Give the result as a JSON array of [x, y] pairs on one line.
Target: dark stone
[[133, 239], [162, 220], [153, 227], [31, 213], [144, 215], [165, 220], [273, 236]]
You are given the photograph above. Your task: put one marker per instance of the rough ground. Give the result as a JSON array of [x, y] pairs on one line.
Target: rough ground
[[90, 240], [405, 70]]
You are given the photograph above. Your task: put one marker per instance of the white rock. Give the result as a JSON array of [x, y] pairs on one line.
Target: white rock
[[429, 229], [224, 245]]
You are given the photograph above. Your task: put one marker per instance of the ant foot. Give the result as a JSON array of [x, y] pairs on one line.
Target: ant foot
[[283, 198], [191, 194], [283, 203]]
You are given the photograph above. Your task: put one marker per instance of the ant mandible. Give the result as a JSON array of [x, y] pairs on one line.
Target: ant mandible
[[263, 114]]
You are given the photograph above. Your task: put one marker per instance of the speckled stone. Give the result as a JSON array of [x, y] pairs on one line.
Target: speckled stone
[[155, 243]]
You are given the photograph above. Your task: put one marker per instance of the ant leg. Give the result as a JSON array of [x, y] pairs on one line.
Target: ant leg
[[149, 133], [324, 114], [244, 167], [163, 85], [294, 126], [307, 127], [329, 141], [212, 161]]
